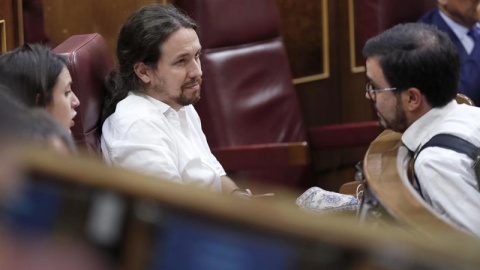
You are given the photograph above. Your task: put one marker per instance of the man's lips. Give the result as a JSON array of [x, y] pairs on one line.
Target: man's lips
[[194, 86]]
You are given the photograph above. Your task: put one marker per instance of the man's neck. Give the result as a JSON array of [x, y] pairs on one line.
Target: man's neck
[[162, 98], [423, 109], [465, 22]]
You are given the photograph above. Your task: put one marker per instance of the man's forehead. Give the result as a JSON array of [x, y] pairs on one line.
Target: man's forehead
[[372, 65], [182, 41]]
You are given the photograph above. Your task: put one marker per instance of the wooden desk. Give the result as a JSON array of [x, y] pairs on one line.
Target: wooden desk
[[221, 224]]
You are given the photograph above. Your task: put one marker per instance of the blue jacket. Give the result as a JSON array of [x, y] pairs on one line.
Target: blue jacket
[[469, 64]]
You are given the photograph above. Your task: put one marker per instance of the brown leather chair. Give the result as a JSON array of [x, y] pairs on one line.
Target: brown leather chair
[[249, 108], [89, 62]]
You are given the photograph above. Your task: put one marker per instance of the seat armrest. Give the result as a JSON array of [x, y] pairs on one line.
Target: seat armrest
[[261, 156], [343, 135]]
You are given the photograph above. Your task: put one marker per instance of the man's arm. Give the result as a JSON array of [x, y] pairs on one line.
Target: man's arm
[[228, 186]]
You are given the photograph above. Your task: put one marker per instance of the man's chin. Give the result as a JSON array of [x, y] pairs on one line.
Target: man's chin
[[184, 101]]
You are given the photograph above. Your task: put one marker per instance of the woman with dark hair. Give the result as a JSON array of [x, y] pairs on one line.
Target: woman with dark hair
[[39, 78]]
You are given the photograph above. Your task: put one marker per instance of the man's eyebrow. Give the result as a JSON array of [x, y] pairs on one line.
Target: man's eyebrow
[[181, 55], [186, 54]]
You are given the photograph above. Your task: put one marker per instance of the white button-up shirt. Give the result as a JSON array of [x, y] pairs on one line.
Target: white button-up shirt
[[446, 178], [147, 135]]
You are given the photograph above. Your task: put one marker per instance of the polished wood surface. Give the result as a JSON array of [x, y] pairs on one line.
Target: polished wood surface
[[385, 175], [462, 99], [278, 216], [11, 24], [65, 18]]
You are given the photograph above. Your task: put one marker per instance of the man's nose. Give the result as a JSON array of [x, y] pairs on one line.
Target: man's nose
[[195, 69]]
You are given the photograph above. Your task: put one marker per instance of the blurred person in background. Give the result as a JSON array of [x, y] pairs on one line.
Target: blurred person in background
[[460, 20], [27, 243]]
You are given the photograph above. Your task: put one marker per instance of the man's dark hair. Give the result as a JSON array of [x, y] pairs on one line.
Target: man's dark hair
[[418, 55], [29, 71], [140, 41]]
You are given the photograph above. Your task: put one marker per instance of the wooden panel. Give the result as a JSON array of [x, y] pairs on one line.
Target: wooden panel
[[338, 98], [332, 242], [302, 29], [309, 33], [11, 24], [354, 106], [3, 37], [66, 18]]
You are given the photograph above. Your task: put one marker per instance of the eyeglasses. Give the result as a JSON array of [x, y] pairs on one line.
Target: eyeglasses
[[372, 93]]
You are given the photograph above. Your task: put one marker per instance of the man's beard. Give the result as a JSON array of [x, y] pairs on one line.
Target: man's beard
[[183, 99], [398, 124]]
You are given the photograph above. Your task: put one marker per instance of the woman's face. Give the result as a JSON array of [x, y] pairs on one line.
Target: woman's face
[[64, 101]]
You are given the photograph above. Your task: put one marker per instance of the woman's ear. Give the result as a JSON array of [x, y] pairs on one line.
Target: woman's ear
[[142, 72], [38, 100]]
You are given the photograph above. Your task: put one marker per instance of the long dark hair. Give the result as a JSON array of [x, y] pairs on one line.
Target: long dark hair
[[29, 71], [140, 41]]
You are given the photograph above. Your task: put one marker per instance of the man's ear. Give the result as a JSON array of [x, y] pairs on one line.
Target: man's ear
[[142, 72], [412, 98]]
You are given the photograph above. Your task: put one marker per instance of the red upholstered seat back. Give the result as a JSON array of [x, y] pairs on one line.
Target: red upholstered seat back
[[248, 97], [247, 93], [89, 62]]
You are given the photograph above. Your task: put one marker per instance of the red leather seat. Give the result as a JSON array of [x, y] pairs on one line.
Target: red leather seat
[[249, 108], [89, 62]]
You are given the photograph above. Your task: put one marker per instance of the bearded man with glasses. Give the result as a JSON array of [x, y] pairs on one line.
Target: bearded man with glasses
[[413, 72]]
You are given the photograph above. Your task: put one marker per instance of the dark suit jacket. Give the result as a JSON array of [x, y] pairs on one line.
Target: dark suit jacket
[[470, 64]]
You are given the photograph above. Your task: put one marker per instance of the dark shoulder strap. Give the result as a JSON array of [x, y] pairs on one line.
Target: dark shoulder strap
[[454, 143]]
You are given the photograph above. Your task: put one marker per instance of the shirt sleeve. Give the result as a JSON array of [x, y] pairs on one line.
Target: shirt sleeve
[[448, 183]]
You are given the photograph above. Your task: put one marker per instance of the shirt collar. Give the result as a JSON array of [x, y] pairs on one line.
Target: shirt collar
[[423, 129], [459, 30]]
